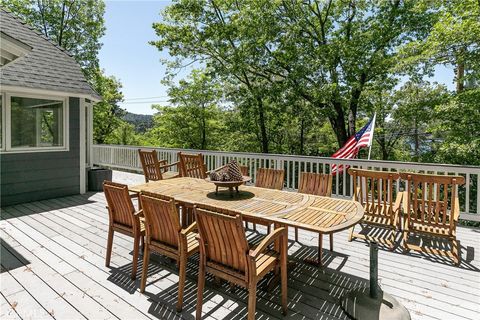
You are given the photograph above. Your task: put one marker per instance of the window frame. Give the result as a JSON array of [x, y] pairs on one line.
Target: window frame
[[7, 123], [3, 111]]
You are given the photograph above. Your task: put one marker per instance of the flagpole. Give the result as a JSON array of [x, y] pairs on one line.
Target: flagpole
[[371, 136]]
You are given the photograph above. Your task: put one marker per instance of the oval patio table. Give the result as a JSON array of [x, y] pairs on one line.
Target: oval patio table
[[318, 214]]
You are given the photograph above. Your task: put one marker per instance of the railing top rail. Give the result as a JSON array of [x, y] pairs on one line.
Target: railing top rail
[[370, 163]]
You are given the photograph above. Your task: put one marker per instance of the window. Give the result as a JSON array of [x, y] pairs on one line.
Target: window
[[34, 123]]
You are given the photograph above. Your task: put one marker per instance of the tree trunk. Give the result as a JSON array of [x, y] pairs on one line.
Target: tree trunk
[[204, 130], [263, 128], [302, 135], [417, 143], [338, 124], [460, 73]]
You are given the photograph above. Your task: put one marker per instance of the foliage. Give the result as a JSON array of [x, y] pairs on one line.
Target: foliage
[[141, 122], [106, 113], [322, 52], [193, 120], [75, 25]]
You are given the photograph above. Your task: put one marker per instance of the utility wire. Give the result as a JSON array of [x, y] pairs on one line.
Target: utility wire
[[145, 98]]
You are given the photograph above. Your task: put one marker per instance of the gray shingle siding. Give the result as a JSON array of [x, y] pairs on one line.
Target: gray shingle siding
[[33, 176], [46, 66]]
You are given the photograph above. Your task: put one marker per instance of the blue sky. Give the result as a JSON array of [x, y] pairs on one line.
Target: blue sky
[[127, 55]]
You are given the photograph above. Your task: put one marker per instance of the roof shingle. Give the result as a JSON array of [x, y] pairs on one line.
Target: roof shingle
[[46, 66]]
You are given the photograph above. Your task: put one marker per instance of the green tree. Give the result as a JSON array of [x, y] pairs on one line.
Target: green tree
[[106, 113], [324, 52], [193, 120]]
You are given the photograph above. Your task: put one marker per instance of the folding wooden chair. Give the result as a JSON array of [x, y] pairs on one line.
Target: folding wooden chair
[[432, 208], [318, 184], [192, 165], [124, 219], [376, 191], [165, 235], [225, 253], [154, 169], [270, 179]]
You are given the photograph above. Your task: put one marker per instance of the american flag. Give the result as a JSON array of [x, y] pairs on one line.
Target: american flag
[[363, 138]]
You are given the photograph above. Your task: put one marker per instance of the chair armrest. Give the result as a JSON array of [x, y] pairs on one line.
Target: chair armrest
[[405, 202], [169, 165], [269, 239], [189, 229], [398, 202], [139, 213], [456, 212]]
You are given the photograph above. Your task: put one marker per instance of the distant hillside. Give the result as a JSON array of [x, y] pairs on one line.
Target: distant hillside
[[141, 122]]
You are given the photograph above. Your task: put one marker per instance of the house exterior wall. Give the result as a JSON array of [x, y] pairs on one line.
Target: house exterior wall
[[35, 176]]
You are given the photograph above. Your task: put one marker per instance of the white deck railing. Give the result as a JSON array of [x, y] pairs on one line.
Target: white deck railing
[[126, 158]]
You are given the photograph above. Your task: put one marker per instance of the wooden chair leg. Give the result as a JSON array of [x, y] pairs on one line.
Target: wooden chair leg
[[269, 228], [109, 247], [136, 249], [296, 234], [284, 276], [331, 242], [405, 241], [252, 299], [146, 259], [200, 285], [181, 281], [455, 252], [246, 225], [350, 236], [254, 226]]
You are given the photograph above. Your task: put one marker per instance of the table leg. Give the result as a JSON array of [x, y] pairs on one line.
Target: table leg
[[317, 262]]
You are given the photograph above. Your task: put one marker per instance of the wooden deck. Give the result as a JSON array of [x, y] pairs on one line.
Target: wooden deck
[[53, 251]]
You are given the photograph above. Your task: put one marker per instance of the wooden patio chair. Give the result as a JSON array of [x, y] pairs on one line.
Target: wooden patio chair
[[318, 184], [432, 208], [226, 254], [375, 190], [270, 179], [192, 165], [123, 218], [244, 170], [165, 235], [154, 169]]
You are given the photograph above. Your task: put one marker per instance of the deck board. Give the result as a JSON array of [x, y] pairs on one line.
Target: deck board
[[63, 242]]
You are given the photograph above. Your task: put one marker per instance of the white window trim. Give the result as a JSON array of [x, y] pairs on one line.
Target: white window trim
[[7, 125], [4, 107]]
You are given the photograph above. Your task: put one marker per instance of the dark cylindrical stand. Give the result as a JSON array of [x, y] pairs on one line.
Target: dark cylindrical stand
[[376, 304]]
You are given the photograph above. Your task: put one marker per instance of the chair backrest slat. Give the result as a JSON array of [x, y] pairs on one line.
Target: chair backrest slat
[[192, 165], [375, 190], [222, 236], [162, 221], [119, 203], [315, 183], [244, 170], [150, 165], [431, 199], [270, 178]]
